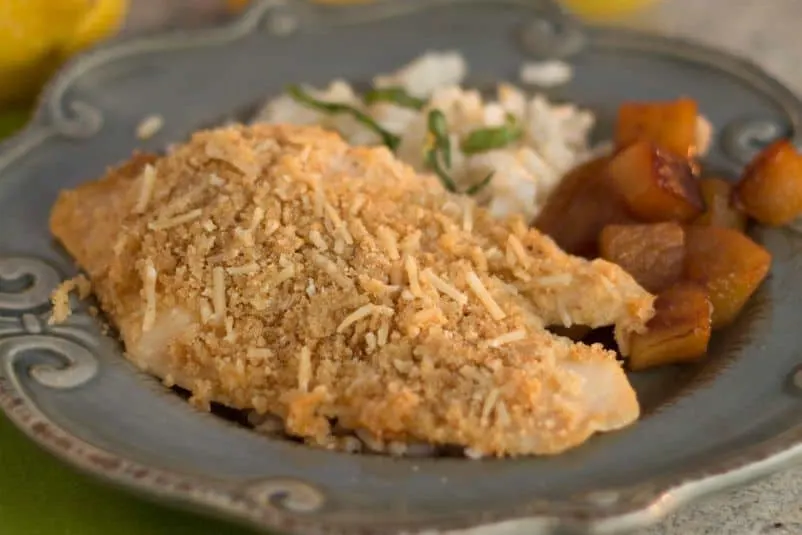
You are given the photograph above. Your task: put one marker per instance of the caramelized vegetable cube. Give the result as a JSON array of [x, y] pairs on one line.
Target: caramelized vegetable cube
[[730, 266], [770, 189], [656, 185], [653, 254], [583, 203], [672, 125], [679, 331], [719, 209]]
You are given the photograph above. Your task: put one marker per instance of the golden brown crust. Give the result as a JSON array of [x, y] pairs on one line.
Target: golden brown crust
[[275, 268]]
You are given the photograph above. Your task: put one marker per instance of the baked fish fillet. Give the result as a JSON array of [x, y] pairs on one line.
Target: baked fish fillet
[[277, 269]]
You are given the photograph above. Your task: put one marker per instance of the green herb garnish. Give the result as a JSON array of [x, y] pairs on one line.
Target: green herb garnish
[[479, 186], [394, 95], [486, 139], [438, 147], [336, 108], [438, 129]]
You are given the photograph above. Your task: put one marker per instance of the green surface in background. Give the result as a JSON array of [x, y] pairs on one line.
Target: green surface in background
[[11, 121], [39, 495]]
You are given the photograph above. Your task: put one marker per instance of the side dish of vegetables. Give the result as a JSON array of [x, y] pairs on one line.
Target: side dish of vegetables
[[649, 208]]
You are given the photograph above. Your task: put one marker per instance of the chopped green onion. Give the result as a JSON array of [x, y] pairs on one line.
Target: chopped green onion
[[479, 186], [439, 147], [438, 128], [434, 164], [394, 95], [486, 139], [335, 108]]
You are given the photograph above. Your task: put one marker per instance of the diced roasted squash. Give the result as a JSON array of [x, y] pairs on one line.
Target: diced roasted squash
[[670, 124], [679, 331], [730, 266], [770, 189], [656, 185], [719, 208], [580, 207], [653, 254]]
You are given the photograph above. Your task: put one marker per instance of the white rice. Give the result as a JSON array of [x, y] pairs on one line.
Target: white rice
[[554, 140], [546, 73]]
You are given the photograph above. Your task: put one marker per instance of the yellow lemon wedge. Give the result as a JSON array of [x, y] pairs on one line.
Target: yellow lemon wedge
[[605, 9], [37, 35], [101, 21], [239, 5]]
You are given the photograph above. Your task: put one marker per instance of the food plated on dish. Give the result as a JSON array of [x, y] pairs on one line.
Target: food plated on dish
[[427, 287]]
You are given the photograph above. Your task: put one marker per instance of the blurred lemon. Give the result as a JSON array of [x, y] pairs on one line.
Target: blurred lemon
[[36, 36], [605, 9], [238, 5]]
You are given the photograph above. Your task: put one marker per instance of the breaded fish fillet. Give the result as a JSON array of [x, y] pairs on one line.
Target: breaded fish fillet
[[278, 269]]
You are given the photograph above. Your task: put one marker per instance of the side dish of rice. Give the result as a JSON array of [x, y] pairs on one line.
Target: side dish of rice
[[552, 138]]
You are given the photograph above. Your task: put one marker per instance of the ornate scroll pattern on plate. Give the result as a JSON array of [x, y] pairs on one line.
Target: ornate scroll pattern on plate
[[25, 287]]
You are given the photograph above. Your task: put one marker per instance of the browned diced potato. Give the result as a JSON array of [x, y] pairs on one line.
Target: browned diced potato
[[679, 331], [653, 254], [580, 207], [719, 209], [656, 185], [730, 266], [672, 125], [770, 189]]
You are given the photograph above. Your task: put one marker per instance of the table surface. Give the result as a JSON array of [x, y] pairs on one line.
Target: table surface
[[40, 496]]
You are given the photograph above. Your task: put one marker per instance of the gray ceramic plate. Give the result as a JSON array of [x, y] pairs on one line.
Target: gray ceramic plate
[[736, 416]]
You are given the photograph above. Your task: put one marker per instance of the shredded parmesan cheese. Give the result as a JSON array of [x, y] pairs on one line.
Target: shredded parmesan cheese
[[376, 287], [61, 297], [517, 249], [205, 311], [320, 196], [411, 267], [317, 240], [508, 338], [389, 242], [219, 293], [247, 269], [338, 224], [489, 405], [146, 182], [333, 271], [467, 216], [362, 312], [284, 275], [271, 227], [484, 297], [370, 342], [411, 244], [564, 316], [149, 126], [259, 353], [562, 279], [357, 205], [175, 221], [149, 288], [304, 369], [445, 288], [382, 334]]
